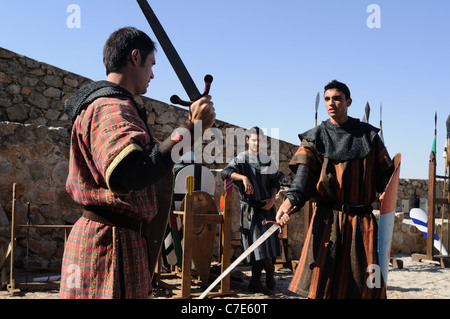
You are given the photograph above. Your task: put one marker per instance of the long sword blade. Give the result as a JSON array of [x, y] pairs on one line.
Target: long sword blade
[[172, 54], [249, 250]]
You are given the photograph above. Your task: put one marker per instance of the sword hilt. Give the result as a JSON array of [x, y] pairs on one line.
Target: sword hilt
[[280, 235], [175, 99]]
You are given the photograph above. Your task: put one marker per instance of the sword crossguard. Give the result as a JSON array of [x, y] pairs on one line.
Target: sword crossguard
[[280, 230], [175, 99]]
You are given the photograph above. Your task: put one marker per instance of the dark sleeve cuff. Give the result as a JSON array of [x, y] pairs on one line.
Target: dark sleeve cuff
[[303, 186]]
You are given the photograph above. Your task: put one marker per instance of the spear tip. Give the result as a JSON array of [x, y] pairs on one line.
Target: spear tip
[[448, 126]]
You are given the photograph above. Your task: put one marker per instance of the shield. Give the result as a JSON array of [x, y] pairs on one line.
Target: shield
[[387, 216]]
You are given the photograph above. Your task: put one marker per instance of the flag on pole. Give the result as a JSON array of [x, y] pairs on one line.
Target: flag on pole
[[447, 144], [433, 148]]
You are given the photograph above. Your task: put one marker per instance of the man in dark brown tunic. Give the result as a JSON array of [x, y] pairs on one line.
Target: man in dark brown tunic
[[342, 163]]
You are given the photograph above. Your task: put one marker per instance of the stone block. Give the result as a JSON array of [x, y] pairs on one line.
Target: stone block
[[17, 113]]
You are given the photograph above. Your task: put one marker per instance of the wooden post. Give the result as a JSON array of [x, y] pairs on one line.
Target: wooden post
[[12, 285], [448, 203], [432, 201], [188, 224], [226, 236], [193, 218], [431, 197]]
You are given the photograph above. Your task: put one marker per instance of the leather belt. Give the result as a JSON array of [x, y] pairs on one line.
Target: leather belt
[[354, 209], [347, 208], [253, 203], [109, 217]]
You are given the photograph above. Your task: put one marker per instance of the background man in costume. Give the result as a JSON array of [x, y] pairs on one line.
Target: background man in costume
[[257, 177], [114, 164], [342, 163]]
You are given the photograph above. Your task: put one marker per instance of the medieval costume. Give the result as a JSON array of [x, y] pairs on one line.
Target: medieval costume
[[342, 167], [264, 176], [106, 254]]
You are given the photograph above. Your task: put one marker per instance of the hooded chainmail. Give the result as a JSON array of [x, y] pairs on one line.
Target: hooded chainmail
[[90, 92], [351, 140]]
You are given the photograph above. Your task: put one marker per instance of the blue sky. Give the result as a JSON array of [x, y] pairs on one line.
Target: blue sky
[[270, 58]]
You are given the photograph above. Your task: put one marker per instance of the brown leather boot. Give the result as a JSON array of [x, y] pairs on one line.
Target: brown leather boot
[[270, 271], [255, 284]]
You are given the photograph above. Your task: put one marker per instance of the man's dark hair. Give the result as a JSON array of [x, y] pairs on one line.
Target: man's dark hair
[[341, 87], [121, 43], [255, 130]]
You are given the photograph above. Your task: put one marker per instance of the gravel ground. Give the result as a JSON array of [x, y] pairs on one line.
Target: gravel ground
[[416, 280]]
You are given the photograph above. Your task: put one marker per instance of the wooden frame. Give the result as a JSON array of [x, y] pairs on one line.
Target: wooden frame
[[432, 201], [11, 287], [190, 219]]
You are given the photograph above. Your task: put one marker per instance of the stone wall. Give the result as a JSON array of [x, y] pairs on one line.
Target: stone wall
[[34, 142], [34, 151], [33, 92], [36, 159]]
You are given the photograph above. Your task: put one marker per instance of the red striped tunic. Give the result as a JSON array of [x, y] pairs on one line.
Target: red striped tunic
[[102, 261]]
